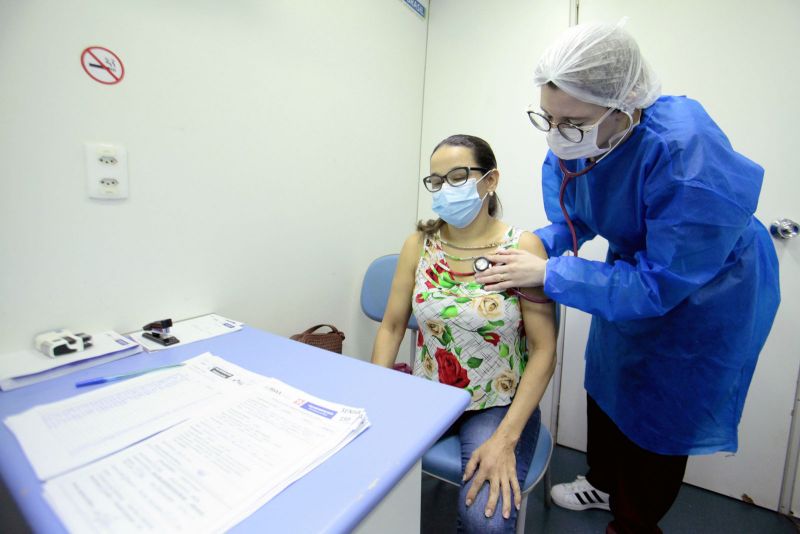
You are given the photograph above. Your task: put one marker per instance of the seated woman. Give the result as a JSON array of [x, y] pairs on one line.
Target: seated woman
[[498, 347]]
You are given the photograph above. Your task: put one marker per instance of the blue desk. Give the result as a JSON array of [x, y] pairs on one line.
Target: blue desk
[[407, 414]]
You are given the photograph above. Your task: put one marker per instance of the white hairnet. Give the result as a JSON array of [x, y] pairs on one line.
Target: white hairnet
[[599, 64]]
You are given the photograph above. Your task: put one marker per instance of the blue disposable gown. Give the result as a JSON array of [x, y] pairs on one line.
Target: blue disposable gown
[[689, 289]]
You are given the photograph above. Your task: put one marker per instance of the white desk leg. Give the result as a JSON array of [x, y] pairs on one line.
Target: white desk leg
[[399, 511]]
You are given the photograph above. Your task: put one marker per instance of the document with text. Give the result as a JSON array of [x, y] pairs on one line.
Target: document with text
[[101, 422], [210, 471], [26, 367]]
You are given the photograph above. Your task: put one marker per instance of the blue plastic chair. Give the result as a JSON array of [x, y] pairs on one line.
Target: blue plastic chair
[[376, 287], [443, 460]]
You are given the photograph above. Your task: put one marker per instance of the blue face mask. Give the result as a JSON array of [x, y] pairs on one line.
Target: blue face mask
[[460, 205]]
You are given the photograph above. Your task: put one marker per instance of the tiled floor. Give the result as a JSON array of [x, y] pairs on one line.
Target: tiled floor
[[696, 511]]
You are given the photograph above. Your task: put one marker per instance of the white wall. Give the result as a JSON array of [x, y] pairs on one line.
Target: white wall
[[479, 81], [259, 134]]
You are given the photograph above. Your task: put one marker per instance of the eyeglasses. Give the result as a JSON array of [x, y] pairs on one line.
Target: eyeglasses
[[570, 132], [455, 177]]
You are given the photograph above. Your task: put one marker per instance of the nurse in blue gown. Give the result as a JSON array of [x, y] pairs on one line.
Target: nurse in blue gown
[[683, 303]]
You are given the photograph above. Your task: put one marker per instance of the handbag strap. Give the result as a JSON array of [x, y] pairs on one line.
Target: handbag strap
[[334, 330]]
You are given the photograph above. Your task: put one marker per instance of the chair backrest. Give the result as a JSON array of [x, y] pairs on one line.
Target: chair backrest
[[376, 287]]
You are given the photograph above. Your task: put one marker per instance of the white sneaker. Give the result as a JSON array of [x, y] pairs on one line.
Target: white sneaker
[[579, 495]]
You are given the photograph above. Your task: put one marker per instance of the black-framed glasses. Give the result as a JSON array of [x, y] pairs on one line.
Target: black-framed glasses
[[570, 132], [455, 177]]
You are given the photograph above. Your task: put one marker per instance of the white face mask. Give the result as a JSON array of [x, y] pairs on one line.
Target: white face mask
[[587, 147], [459, 205]]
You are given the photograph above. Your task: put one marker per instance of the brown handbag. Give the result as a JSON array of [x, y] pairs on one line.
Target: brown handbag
[[331, 341]]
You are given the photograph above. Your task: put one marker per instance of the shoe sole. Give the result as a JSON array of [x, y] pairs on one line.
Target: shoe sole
[[582, 507]]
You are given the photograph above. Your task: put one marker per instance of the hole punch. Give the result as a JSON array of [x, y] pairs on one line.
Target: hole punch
[[62, 342]]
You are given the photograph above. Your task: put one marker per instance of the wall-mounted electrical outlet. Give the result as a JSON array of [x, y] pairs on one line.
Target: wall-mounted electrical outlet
[[106, 171]]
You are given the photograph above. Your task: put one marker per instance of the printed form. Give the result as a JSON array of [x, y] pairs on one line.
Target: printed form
[[101, 422], [26, 367], [228, 451]]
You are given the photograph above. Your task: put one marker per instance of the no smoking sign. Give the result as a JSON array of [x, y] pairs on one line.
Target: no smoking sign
[[102, 65]]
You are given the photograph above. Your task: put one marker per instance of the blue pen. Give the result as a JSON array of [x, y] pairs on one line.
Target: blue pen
[[114, 378]]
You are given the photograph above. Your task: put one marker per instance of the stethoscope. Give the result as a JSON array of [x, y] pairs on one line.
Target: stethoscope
[[482, 263]]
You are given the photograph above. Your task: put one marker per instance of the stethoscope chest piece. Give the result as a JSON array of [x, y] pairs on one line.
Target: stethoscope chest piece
[[481, 264]]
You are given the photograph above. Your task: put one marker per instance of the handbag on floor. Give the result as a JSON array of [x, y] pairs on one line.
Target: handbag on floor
[[403, 368], [331, 341]]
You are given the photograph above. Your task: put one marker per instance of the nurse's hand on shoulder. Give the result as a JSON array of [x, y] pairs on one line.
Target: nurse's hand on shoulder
[[512, 268], [494, 463]]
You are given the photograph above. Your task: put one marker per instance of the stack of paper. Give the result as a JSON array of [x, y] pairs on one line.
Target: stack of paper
[[27, 367], [228, 456], [106, 420]]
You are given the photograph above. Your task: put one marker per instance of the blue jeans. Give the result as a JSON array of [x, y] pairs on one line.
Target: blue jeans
[[474, 428]]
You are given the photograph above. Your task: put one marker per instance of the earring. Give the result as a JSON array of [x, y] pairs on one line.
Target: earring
[[491, 193]]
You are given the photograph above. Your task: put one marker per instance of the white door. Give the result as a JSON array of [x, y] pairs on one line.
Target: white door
[[739, 59], [796, 500]]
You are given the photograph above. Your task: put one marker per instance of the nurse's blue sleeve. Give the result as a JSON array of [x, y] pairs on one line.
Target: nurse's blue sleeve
[[556, 237], [691, 231]]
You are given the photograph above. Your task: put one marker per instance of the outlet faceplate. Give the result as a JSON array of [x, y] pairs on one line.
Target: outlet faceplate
[[106, 171]]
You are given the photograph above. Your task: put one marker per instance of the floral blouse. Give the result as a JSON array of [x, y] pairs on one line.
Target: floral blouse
[[468, 337]]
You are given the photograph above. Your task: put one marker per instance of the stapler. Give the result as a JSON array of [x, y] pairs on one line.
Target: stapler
[[61, 342], [158, 331]]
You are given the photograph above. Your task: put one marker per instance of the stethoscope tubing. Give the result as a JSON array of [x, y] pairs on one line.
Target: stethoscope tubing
[[482, 263]]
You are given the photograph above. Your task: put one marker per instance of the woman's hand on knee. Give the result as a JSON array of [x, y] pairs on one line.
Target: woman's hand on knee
[[494, 462]]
